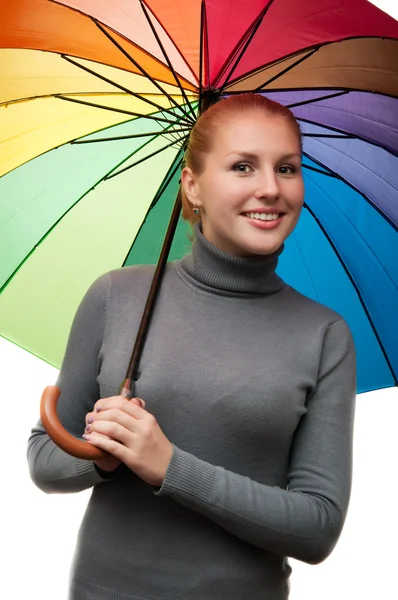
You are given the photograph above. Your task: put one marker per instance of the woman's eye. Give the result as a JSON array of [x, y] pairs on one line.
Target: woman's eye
[[287, 170], [241, 168]]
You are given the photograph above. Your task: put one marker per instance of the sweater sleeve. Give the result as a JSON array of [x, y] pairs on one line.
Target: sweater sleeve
[[52, 469], [305, 520]]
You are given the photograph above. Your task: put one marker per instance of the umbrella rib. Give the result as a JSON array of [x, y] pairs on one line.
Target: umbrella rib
[[266, 66], [174, 44], [341, 136], [155, 33], [363, 239], [258, 69], [303, 102], [26, 99], [130, 137], [201, 34], [318, 99], [316, 89], [135, 63], [117, 85], [206, 53], [2, 288], [174, 132], [356, 162], [153, 134], [70, 94], [166, 180], [250, 35], [351, 135], [118, 110], [341, 178], [313, 89], [353, 282], [307, 269], [287, 69], [141, 160], [333, 176]]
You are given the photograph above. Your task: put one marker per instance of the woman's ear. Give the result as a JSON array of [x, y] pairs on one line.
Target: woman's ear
[[190, 186]]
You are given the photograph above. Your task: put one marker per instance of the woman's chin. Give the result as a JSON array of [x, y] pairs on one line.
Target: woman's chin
[[262, 247]]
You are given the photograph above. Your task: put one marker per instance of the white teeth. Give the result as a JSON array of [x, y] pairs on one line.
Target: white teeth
[[263, 216]]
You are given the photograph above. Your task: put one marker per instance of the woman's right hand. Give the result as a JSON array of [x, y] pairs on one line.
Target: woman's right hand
[[109, 463]]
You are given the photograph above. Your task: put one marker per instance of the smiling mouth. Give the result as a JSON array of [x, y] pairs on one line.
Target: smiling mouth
[[263, 216]]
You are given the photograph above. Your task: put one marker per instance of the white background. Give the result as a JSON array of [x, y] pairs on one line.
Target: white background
[[38, 531], [389, 6]]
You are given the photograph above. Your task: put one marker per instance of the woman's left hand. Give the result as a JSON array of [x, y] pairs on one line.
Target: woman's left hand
[[132, 435]]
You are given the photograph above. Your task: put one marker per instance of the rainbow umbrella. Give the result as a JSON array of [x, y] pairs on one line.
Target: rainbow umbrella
[[96, 101]]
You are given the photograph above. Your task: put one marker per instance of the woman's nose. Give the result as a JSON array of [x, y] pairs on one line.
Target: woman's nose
[[267, 185]]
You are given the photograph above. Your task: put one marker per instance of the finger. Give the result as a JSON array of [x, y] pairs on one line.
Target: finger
[[89, 432], [119, 402], [133, 407], [107, 403], [112, 446], [138, 401], [112, 430], [113, 415], [88, 429]]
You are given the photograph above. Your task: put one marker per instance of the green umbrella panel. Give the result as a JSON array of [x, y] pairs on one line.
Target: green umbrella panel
[[78, 210]]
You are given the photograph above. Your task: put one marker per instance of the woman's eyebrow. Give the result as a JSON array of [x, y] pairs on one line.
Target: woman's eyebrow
[[291, 155], [251, 156], [243, 154]]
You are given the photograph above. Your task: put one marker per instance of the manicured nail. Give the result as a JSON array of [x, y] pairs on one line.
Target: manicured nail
[[88, 428], [90, 420], [87, 437], [98, 409]]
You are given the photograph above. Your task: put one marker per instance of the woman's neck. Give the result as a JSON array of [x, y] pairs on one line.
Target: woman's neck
[[216, 269]]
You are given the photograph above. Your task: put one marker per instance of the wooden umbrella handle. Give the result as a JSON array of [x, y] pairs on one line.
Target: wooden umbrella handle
[[58, 434]]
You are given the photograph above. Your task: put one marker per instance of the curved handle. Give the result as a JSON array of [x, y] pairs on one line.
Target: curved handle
[[58, 434]]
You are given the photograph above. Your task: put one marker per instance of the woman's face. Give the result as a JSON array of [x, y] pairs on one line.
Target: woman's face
[[250, 192]]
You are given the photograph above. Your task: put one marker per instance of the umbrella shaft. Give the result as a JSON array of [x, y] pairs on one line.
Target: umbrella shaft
[[127, 388]]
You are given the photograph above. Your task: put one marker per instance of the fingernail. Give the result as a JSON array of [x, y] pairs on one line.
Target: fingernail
[[142, 403], [87, 437], [90, 420], [98, 409], [88, 428]]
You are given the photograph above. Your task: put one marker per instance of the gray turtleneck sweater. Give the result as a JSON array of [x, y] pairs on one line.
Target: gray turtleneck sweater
[[254, 384]]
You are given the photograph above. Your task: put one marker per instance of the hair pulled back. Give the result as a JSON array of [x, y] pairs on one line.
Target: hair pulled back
[[202, 133]]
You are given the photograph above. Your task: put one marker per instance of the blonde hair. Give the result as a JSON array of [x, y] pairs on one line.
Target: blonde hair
[[202, 133]]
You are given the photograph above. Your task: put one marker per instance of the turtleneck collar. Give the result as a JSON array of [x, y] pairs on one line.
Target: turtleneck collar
[[228, 274]]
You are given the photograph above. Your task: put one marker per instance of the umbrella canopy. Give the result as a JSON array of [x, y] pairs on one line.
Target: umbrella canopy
[[96, 101]]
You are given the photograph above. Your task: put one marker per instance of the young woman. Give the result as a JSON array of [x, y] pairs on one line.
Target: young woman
[[239, 453]]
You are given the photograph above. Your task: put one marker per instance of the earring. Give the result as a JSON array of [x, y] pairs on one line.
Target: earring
[[196, 210]]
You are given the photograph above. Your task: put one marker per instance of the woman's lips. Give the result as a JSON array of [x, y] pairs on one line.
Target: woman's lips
[[264, 224]]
